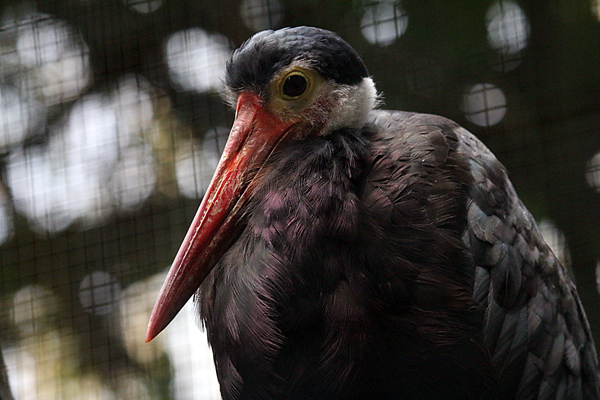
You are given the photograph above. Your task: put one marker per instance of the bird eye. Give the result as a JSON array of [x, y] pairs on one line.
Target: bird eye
[[294, 85]]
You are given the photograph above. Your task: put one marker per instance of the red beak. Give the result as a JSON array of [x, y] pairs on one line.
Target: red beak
[[254, 135]]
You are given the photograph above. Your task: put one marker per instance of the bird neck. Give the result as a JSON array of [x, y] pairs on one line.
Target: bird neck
[[309, 192]]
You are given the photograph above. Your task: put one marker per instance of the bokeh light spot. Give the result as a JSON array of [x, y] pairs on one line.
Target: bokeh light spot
[[37, 187], [18, 117], [6, 218], [508, 27], [592, 174], [196, 163], [194, 374], [261, 14], [383, 22], [134, 177], [595, 4], [143, 6], [99, 292], [484, 104], [53, 57], [33, 308], [197, 59], [557, 241]]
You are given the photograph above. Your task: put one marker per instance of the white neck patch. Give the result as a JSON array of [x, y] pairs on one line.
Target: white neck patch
[[354, 103]]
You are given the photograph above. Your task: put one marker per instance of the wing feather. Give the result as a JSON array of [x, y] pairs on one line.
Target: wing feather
[[533, 323]]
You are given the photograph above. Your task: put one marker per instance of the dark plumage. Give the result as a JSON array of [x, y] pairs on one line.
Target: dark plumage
[[253, 65], [382, 256]]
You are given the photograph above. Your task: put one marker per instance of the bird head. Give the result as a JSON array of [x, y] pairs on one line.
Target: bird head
[[285, 85]]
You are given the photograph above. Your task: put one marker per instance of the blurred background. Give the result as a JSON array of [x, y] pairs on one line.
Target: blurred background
[[111, 126]]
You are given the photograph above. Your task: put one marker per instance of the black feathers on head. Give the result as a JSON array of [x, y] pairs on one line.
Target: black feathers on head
[[256, 61]]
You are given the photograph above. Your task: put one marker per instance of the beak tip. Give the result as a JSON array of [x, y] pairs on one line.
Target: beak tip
[[160, 318], [152, 330], [150, 334]]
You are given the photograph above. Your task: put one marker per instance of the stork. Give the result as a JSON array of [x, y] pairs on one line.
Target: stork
[[345, 252]]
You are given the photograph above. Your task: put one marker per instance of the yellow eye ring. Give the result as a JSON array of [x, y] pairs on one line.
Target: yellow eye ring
[[294, 85]]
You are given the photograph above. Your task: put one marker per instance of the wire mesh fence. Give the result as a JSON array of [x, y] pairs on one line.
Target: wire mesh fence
[[111, 125]]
